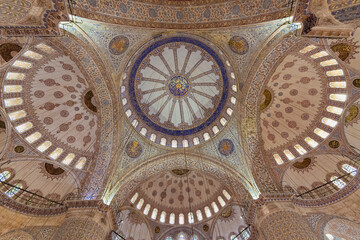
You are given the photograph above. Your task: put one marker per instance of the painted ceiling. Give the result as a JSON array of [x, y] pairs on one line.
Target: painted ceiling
[[112, 109]]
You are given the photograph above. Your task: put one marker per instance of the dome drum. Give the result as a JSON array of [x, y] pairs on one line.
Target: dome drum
[[179, 91]]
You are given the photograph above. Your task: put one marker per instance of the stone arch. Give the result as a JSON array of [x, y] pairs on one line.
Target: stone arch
[[17, 235], [124, 186]]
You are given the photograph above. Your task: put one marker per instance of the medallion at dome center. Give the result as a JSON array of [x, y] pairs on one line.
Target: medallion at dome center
[[178, 86]]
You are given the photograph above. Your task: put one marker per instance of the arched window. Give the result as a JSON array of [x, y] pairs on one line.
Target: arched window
[[349, 169], [199, 215], [154, 213], [172, 218], [181, 236], [140, 204], [169, 238], [133, 199], [233, 237], [162, 216], [226, 194], [147, 209], [4, 176], [221, 201], [191, 217], [207, 212], [337, 182], [181, 218], [215, 207], [14, 190], [195, 237]]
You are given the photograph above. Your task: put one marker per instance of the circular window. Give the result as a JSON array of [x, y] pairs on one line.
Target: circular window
[[179, 91]]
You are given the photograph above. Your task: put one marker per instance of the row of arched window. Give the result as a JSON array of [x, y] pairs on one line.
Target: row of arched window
[[13, 190], [339, 183], [337, 81], [171, 219], [17, 74]]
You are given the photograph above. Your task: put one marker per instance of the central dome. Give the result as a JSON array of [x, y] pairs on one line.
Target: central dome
[[177, 87]]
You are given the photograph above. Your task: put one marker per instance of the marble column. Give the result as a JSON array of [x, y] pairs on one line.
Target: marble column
[[281, 221], [85, 221]]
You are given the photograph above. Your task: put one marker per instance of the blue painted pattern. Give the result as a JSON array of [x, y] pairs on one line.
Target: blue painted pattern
[[136, 105], [178, 86]]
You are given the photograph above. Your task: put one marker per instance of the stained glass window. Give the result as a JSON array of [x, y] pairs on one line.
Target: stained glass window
[[133, 199], [215, 207], [80, 163], [226, 194], [288, 154], [328, 63], [319, 54], [154, 213], [221, 201], [321, 133], [206, 136], [311, 142], [68, 159], [307, 49], [215, 129], [33, 55], [162, 216], [169, 238], [278, 159], [140, 204], [199, 215], [300, 149], [153, 137], [172, 218], [338, 97], [56, 153], [349, 169], [329, 122], [15, 76], [45, 48], [4, 176], [335, 110], [22, 64], [13, 102], [14, 190], [181, 218], [13, 88], [207, 212], [147, 209], [17, 115], [337, 182], [195, 237], [24, 127], [181, 236], [337, 84], [45, 145], [191, 217], [335, 73]]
